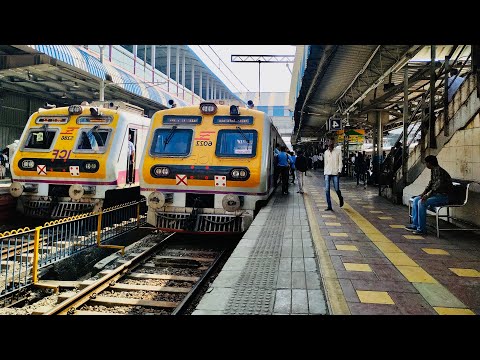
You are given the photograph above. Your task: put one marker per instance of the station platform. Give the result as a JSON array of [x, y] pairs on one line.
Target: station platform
[[298, 259]]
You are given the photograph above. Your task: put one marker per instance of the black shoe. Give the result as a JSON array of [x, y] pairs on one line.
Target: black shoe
[[410, 228], [341, 201], [328, 209]]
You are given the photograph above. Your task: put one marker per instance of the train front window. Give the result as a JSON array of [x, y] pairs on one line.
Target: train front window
[[236, 143], [93, 140], [40, 139], [171, 142]]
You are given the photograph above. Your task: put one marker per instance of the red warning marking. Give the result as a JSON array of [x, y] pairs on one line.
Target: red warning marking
[[181, 179]]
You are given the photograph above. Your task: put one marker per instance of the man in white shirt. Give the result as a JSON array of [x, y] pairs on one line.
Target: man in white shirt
[[332, 169]]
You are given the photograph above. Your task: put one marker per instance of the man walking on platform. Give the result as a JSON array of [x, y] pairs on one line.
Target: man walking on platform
[[332, 169]]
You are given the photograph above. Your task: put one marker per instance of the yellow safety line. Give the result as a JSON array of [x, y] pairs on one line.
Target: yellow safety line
[[333, 291], [406, 265]]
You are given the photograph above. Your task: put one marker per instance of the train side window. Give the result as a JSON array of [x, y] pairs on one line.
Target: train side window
[[40, 139], [236, 143], [93, 140], [171, 142]]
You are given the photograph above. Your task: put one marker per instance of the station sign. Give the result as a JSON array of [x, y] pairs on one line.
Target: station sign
[[334, 124]]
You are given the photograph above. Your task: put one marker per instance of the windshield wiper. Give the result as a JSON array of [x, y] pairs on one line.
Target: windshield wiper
[[170, 134], [241, 133], [99, 137]]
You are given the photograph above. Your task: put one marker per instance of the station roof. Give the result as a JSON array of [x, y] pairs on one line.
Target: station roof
[[71, 74], [356, 79]]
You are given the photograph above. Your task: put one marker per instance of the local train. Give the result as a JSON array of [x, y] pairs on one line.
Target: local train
[[208, 168], [74, 159]]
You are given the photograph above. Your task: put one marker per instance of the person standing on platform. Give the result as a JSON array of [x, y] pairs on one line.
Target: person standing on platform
[[283, 165], [301, 165], [276, 169], [332, 170], [293, 157], [320, 160], [435, 194], [131, 161]]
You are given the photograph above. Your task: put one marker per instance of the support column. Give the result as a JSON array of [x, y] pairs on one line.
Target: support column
[[432, 143], [200, 93], [135, 51], [445, 98], [193, 82], [183, 74], [405, 126], [177, 68], [168, 67], [379, 150], [152, 55], [207, 88]]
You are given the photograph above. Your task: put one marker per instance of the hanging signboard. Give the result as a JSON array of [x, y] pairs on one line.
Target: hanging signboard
[[355, 136]]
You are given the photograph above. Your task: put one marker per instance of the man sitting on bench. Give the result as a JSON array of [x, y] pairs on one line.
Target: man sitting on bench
[[435, 194]]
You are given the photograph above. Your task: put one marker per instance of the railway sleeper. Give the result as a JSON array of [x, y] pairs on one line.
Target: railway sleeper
[[114, 301], [135, 287]]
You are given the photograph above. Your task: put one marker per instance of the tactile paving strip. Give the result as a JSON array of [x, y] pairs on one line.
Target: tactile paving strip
[[254, 291]]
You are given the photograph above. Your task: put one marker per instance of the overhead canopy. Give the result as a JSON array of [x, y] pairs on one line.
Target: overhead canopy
[[345, 79]]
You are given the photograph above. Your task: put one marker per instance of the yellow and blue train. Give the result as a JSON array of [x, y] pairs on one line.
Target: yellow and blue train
[[75, 159], [208, 168]]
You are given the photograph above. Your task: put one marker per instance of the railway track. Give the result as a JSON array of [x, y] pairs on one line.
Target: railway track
[[160, 279]]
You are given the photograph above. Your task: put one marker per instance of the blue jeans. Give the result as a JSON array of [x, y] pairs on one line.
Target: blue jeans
[[419, 209], [336, 186]]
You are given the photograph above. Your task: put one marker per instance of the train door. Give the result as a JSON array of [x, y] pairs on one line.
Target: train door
[[132, 154]]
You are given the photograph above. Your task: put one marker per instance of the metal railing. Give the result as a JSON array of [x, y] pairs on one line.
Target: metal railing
[[24, 251]]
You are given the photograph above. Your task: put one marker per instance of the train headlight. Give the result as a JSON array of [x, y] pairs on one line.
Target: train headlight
[[156, 200], [75, 109], [16, 189], [208, 108], [27, 164], [231, 202], [239, 174], [162, 171], [76, 191]]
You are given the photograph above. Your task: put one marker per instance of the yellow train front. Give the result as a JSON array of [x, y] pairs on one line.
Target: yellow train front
[[75, 159], [207, 168]]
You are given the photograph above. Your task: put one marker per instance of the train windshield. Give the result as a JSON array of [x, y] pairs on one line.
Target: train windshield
[[93, 140], [171, 142], [40, 139], [236, 143]]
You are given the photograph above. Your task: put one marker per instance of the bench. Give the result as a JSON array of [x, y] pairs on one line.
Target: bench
[[457, 198]]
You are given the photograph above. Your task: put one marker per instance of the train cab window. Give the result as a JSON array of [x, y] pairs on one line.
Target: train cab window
[[40, 139], [171, 142], [93, 140], [236, 143]]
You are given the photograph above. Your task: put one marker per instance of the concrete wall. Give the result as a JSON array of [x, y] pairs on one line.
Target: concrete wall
[[461, 158]]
